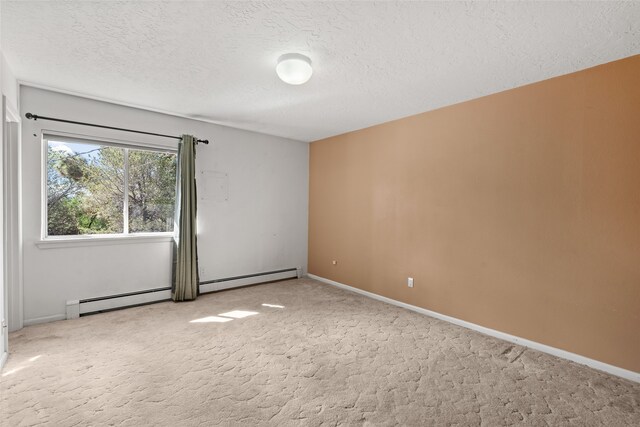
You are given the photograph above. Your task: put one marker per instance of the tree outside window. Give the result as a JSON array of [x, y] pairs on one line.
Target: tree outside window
[[102, 189]]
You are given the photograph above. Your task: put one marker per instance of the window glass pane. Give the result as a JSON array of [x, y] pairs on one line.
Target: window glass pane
[[152, 187], [85, 184]]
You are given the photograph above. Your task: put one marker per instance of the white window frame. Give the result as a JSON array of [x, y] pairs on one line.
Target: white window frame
[[125, 237]]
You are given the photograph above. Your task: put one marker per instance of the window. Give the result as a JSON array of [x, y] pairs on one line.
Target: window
[[98, 188]]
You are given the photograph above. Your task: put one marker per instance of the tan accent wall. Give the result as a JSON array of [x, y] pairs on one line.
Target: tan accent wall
[[519, 211]]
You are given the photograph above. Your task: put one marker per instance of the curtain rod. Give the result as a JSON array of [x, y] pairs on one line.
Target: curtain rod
[[36, 117]]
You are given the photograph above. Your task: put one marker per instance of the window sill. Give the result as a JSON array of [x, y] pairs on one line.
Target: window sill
[[71, 242]]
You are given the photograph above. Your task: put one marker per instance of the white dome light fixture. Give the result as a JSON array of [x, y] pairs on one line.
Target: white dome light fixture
[[294, 68]]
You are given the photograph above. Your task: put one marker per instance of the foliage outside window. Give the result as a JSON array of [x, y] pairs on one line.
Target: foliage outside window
[[102, 189]]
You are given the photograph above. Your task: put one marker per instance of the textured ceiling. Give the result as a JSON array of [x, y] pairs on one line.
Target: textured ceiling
[[373, 62]]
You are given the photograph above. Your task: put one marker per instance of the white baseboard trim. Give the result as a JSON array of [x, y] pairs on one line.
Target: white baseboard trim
[[595, 364], [44, 319]]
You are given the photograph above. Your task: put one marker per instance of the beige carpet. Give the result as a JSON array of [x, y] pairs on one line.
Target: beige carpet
[[316, 356]]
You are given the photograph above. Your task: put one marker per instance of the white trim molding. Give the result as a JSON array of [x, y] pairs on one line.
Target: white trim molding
[[3, 359], [45, 319], [102, 240], [563, 354], [12, 154]]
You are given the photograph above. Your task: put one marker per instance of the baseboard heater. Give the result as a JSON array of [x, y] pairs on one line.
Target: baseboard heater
[[131, 299]]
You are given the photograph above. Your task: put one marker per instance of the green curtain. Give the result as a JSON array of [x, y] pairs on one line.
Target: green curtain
[[185, 248]]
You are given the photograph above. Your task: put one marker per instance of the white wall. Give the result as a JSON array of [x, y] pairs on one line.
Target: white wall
[[261, 227]]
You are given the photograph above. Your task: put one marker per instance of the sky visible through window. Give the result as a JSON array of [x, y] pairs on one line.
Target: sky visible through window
[[74, 148]]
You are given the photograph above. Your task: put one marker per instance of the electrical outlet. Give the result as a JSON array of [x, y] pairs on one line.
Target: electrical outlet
[[410, 282]]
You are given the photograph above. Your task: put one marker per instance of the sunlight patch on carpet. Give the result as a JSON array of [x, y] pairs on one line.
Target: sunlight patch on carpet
[[238, 314], [212, 319]]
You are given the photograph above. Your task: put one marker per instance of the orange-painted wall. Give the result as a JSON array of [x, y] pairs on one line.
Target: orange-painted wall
[[519, 211]]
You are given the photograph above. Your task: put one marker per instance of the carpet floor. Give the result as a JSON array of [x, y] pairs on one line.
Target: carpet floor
[[296, 352]]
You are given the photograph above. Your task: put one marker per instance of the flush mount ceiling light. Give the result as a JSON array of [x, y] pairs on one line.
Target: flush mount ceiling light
[[294, 68]]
